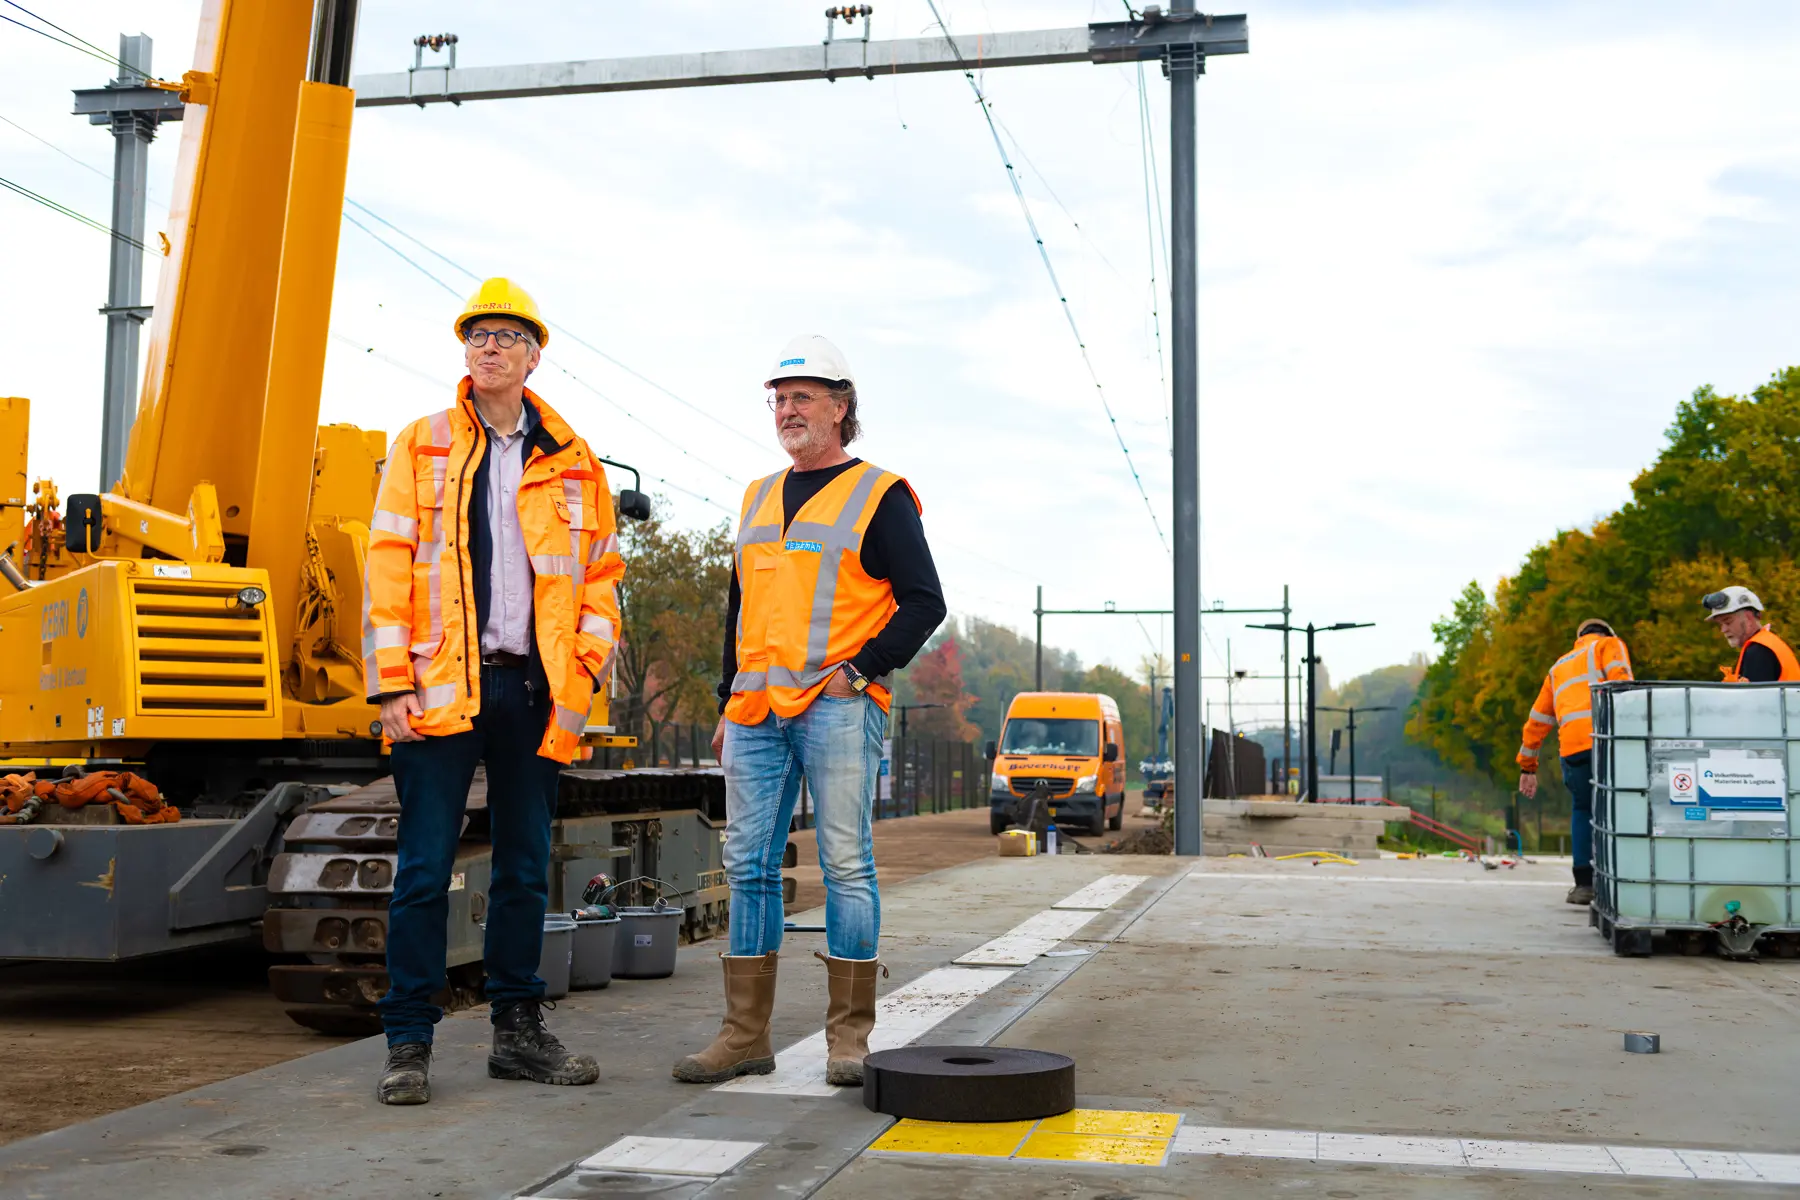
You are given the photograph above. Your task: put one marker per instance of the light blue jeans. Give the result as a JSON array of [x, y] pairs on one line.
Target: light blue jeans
[[836, 745]]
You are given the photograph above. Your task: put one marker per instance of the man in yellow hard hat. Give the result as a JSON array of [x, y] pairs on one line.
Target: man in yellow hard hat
[[832, 589], [1762, 656], [489, 619]]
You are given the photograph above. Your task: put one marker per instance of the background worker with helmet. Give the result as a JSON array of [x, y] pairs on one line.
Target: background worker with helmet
[[490, 607], [833, 588], [1762, 657], [1564, 703]]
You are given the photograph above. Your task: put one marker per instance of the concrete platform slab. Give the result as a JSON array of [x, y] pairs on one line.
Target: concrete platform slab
[[1397, 1028]]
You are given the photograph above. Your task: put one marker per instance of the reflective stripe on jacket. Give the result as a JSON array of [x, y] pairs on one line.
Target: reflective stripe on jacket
[[419, 623], [1565, 702], [807, 607], [1784, 654]]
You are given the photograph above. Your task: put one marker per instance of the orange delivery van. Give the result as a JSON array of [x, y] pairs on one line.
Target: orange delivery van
[[1073, 744]]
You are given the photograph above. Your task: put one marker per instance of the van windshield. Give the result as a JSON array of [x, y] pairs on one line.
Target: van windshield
[[1051, 735]]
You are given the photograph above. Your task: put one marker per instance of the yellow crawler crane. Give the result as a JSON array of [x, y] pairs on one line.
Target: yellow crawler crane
[[200, 624]]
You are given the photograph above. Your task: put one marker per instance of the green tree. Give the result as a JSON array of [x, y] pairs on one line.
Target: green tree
[[672, 619], [1721, 504]]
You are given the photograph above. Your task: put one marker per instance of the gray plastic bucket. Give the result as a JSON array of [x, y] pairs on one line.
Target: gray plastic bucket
[[553, 960], [592, 963], [646, 942]]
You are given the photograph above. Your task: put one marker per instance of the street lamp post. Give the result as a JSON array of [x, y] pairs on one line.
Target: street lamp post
[[1353, 710], [1312, 691]]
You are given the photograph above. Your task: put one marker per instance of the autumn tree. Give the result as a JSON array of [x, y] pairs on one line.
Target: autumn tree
[[937, 678], [1720, 505], [672, 618]]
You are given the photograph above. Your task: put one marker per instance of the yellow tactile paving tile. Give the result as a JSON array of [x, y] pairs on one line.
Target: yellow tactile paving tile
[[996, 1139], [1093, 1135], [1111, 1123], [1089, 1148]]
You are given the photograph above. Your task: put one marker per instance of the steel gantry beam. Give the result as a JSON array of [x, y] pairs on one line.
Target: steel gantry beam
[[842, 58], [1179, 38]]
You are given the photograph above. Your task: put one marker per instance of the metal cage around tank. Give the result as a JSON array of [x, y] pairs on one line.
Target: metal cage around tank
[[1671, 855]]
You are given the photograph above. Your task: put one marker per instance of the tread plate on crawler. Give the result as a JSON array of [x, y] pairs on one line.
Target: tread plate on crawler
[[968, 1083]]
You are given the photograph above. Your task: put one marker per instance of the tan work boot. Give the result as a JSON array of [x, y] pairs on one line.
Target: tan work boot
[[849, 1017], [742, 1047]]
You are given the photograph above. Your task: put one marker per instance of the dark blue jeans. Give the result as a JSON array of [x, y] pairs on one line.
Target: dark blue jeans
[[432, 778], [1578, 777]]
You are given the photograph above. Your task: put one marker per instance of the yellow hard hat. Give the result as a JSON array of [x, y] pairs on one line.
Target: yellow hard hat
[[501, 297]]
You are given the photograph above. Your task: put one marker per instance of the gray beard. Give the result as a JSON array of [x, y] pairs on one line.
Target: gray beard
[[805, 442]]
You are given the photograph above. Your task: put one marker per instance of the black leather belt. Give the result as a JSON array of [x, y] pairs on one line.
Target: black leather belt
[[500, 658]]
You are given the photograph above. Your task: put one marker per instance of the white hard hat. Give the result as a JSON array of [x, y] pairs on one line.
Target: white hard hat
[[810, 356], [1732, 599]]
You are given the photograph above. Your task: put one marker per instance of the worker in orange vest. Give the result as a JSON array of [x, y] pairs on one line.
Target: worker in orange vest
[[1565, 704], [490, 615], [1762, 657], [832, 590]]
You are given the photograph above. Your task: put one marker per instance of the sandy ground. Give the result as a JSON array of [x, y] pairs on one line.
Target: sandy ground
[[81, 1040]]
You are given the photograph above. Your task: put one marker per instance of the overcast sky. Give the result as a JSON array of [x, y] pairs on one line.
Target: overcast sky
[[1458, 264]]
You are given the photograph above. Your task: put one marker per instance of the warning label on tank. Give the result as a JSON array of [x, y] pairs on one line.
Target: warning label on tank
[[1722, 791]]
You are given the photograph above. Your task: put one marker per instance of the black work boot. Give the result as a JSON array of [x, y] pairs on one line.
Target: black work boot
[[524, 1049], [406, 1077]]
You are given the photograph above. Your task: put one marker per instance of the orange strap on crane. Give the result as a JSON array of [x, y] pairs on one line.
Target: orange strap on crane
[[135, 799]]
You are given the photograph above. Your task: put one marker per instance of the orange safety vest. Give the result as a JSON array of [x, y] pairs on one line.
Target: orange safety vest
[[807, 605], [419, 625], [1790, 666], [1565, 702]]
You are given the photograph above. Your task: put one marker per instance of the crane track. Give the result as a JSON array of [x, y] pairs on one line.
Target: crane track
[[333, 874]]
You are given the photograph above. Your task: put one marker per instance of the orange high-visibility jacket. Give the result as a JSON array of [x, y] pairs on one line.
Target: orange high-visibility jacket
[[807, 605], [1784, 654], [1565, 704], [419, 624]]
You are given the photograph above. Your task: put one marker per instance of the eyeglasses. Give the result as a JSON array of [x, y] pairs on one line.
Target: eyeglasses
[[505, 339], [794, 399]]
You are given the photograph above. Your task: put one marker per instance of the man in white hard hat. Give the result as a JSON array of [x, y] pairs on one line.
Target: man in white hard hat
[[1762, 657], [832, 590]]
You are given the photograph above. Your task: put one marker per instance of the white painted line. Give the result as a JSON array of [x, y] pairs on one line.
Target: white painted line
[[1029, 938], [1246, 1143], [1719, 1164], [1490, 1154], [1654, 1162], [1775, 1168], [1417, 1152], [901, 1018], [1421, 880], [1540, 1156], [1104, 892], [670, 1156]]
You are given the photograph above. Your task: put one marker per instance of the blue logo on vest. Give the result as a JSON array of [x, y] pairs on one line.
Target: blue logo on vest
[[815, 547]]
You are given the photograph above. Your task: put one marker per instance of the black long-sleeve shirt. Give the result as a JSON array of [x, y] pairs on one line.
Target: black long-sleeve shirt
[[1760, 664], [894, 549]]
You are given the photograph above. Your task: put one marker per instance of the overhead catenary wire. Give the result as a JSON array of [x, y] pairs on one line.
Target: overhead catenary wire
[[80, 44], [66, 211], [420, 267], [1049, 269], [427, 377], [562, 329], [1153, 187]]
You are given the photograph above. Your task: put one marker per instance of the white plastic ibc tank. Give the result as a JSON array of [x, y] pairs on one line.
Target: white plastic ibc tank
[[1694, 790]]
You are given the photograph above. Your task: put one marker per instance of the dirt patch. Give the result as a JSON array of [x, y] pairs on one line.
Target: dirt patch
[[904, 847], [1153, 839], [84, 1039]]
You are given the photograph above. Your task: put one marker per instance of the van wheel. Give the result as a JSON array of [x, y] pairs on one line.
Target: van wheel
[[1098, 828], [1118, 818], [997, 823]]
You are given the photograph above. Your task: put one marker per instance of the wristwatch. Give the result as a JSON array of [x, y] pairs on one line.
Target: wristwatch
[[859, 683]]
